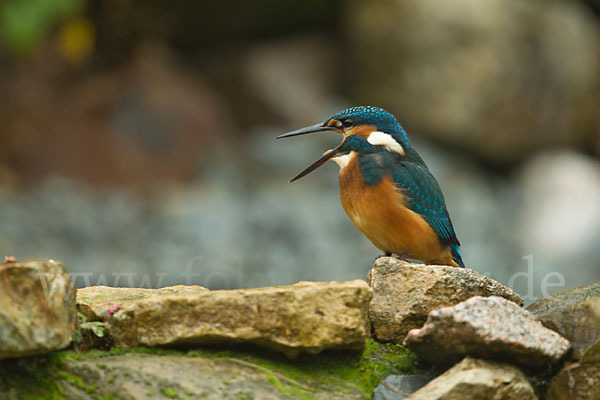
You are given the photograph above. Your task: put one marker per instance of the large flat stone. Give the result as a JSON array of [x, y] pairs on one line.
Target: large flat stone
[[404, 294], [305, 317], [474, 379], [490, 328], [242, 373], [37, 308], [136, 376]]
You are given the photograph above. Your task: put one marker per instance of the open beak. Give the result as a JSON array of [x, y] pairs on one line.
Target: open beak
[[326, 156], [329, 154], [309, 129]]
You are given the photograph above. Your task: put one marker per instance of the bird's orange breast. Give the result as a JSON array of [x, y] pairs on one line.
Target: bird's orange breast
[[381, 214]]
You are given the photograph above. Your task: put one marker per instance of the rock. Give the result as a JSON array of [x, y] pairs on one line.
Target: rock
[[398, 387], [101, 302], [305, 317], [475, 379], [591, 353], [404, 294], [490, 328], [580, 324], [576, 381], [176, 377], [458, 54], [37, 308], [234, 373], [575, 314], [544, 309], [135, 376]]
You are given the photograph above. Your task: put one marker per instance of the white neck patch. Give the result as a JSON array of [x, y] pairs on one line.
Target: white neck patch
[[342, 161], [386, 140]]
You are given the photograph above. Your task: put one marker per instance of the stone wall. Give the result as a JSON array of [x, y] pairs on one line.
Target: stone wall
[[414, 331]]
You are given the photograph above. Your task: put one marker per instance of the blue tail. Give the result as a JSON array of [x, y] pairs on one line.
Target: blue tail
[[456, 256]]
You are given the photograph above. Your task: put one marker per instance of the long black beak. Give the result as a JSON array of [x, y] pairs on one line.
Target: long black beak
[[309, 129], [329, 154]]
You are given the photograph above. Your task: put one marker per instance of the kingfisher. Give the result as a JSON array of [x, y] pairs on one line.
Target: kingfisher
[[386, 188]]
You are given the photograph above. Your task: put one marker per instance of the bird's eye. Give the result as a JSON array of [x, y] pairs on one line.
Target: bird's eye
[[348, 123], [338, 124]]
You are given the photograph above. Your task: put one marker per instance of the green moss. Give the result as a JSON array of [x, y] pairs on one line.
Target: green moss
[[289, 390], [71, 355], [341, 371], [76, 381], [32, 378], [170, 393], [39, 377], [109, 397], [302, 377], [381, 360]]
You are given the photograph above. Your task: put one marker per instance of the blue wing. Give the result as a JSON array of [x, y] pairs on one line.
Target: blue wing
[[413, 178], [425, 198]]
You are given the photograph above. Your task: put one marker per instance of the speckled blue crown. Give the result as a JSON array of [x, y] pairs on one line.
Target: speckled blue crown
[[382, 119]]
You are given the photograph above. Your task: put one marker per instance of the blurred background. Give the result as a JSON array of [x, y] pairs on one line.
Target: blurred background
[[138, 147]]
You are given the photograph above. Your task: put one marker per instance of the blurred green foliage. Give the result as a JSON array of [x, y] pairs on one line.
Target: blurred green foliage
[[24, 23]]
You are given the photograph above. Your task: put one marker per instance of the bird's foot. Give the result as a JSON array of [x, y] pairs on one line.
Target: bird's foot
[[383, 255], [403, 256]]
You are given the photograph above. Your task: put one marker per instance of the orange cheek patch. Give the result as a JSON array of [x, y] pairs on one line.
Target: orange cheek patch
[[363, 131]]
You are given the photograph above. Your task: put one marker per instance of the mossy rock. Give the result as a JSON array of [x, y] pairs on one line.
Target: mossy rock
[[242, 373]]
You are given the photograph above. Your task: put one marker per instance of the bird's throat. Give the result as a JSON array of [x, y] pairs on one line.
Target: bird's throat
[[343, 160]]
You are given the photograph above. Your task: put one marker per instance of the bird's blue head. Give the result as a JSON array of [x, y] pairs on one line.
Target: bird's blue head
[[364, 129], [381, 120]]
